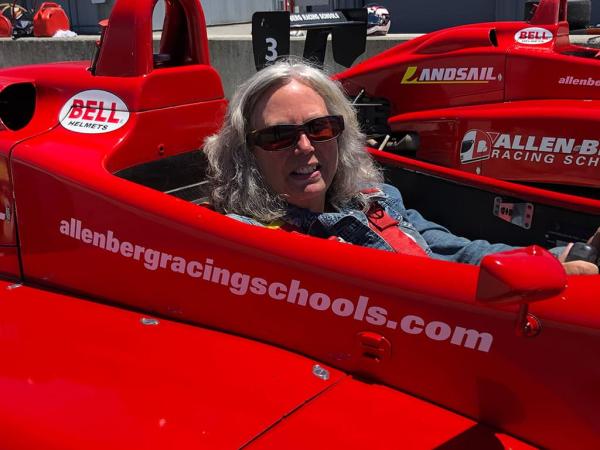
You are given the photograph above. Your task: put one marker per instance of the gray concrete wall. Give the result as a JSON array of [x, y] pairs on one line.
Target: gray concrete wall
[[230, 55], [234, 60]]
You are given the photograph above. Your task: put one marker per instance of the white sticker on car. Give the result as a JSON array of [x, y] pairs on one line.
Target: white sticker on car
[[572, 81], [94, 112], [449, 75], [533, 36], [475, 146], [478, 145]]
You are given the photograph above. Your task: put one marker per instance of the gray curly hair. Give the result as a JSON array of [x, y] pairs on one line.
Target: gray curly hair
[[236, 184]]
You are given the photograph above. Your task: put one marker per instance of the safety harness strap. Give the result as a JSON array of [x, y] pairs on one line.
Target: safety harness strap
[[381, 223], [387, 228]]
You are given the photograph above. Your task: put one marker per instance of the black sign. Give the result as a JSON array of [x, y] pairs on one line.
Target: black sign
[[270, 37]]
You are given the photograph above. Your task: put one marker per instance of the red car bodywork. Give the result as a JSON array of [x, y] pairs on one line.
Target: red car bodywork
[[140, 319], [512, 100]]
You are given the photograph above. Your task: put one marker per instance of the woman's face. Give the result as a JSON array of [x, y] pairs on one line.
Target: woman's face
[[302, 173]]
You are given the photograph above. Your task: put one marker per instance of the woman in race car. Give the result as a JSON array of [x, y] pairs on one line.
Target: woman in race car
[[291, 155]]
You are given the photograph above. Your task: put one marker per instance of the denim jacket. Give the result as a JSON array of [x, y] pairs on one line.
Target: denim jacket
[[351, 225]]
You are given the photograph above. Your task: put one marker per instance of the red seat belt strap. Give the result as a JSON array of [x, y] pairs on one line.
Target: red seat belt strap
[[387, 228]]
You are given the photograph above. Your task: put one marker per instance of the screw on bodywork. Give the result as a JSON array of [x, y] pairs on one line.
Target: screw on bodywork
[[161, 149], [320, 372], [149, 321]]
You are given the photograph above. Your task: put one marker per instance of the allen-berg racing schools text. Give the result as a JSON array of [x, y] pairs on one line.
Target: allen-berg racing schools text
[[291, 292], [538, 149]]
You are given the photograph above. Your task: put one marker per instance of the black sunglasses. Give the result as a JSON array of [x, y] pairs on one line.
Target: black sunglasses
[[281, 137]]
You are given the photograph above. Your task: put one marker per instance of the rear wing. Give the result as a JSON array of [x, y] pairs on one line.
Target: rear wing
[[271, 35]]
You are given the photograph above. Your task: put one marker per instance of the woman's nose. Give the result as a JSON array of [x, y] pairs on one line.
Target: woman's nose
[[304, 145]]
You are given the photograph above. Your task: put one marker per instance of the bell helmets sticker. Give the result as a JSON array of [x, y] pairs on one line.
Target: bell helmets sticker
[[475, 146], [94, 112], [533, 36]]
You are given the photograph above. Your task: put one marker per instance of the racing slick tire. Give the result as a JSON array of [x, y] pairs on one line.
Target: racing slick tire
[[579, 13]]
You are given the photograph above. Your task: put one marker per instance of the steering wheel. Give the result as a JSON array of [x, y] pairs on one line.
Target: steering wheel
[[581, 251]]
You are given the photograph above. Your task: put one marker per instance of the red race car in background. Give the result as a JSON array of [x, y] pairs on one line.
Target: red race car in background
[[511, 100], [132, 316]]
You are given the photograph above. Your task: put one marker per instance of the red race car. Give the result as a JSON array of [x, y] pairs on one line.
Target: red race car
[[512, 100], [132, 316]]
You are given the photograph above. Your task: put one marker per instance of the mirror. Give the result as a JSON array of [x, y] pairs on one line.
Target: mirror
[[520, 276]]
